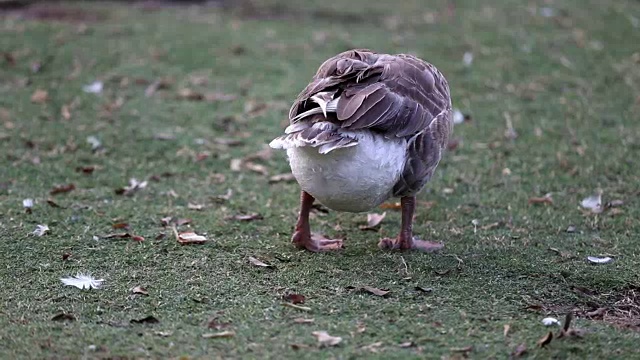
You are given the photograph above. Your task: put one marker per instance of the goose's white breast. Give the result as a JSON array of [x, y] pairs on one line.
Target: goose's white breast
[[353, 179]]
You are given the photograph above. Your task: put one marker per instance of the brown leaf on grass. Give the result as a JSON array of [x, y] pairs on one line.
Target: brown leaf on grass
[[324, 339], [259, 263], [215, 324], [117, 236], [506, 330], [137, 238], [375, 291], [294, 306], [65, 112], [86, 169], [146, 320], [63, 317], [197, 207], [287, 177], [165, 220], [190, 94], [40, 96], [186, 238], [236, 165], [54, 204], [599, 312], [139, 290], [545, 340], [65, 256], [465, 349], [406, 344], [373, 220], [245, 217], [182, 221], [258, 168], [547, 199], [159, 84], [60, 189], [294, 298], [218, 96], [303, 321], [222, 334], [121, 225], [519, 351]]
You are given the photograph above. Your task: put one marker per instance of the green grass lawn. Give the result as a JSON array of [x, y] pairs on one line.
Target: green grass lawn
[[186, 90]]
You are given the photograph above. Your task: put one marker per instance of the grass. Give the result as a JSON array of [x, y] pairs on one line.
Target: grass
[[569, 83]]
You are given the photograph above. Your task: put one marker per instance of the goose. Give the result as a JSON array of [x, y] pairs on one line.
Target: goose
[[367, 128]]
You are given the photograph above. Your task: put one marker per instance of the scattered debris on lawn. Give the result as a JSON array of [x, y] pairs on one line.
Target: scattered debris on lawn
[[303, 321], [593, 203], [546, 199], [134, 186], [259, 263], [407, 344], [424, 289], [82, 281], [599, 260], [215, 324], [54, 204], [373, 220], [95, 143], [145, 320], [519, 351], [375, 291], [93, 88], [297, 307], [372, 347], [567, 330], [63, 317], [27, 204], [545, 340], [189, 237], [549, 321], [120, 225], [506, 329], [599, 312], [222, 334], [245, 217], [465, 350], [61, 189], [40, 96], [287, 177], [163, 333], [40, 230], [294, 298], [467, 58], [324, 339], [197, 207], [139, 290]]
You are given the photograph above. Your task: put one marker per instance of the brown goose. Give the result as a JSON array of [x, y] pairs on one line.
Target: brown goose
[[368, 127]]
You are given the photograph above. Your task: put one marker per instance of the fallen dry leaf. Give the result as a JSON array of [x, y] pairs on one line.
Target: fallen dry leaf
[[297, 307], [191, 238], [303, 321], [218, 96], [117, 236], [519, 350], [465, 349], [121, 225], [139, 290], [60, 189], [63, 317], [40, 96], [215, 324], [294, 298], [257, 262], [163, 333], [325, 339], [190, 94], [545, 340], [65, 112], [137, 238], [599, 312], [196, 207], [245, 217], [287, 177], [375, 291], [145, 320], [505, 332], [222, 334], [547, 199], [406, 344], [258, 168], [373, 220]]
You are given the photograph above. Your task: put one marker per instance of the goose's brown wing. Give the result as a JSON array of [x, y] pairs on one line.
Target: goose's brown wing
[[395, 95]]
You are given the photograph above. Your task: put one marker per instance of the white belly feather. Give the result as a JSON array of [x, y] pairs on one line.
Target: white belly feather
[[353, 179]]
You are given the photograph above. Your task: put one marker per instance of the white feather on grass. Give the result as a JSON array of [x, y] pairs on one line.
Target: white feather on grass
[[82, 281]]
